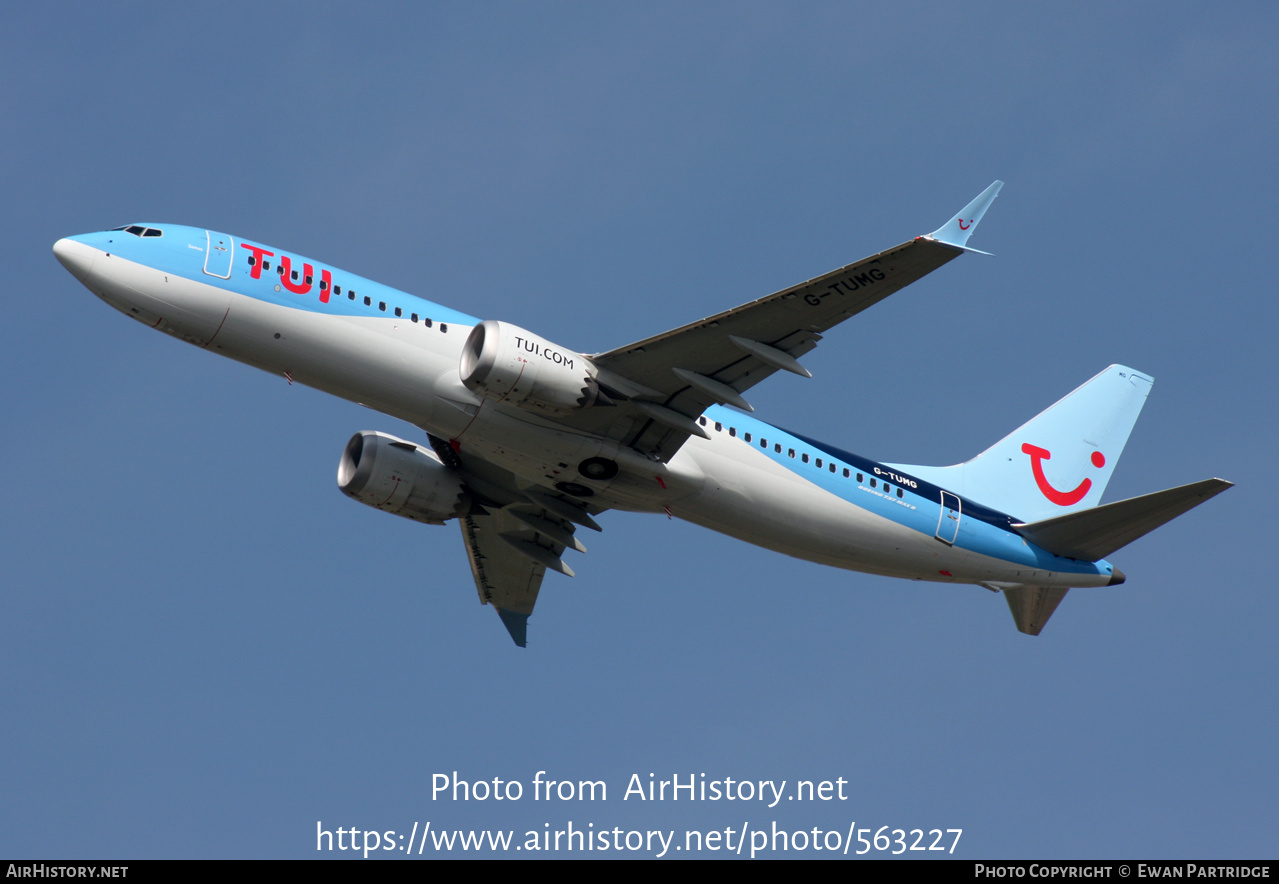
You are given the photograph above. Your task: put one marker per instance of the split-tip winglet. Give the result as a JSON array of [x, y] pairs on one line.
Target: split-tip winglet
[[516, 624], [956, 231]]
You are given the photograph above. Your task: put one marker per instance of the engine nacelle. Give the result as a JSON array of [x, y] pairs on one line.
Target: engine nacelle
[[399, 477], [505, 363]]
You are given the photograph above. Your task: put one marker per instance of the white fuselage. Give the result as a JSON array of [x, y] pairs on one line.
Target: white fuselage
[[410, 371]]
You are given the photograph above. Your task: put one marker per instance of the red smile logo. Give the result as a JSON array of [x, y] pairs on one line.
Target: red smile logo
[[1061, 498]]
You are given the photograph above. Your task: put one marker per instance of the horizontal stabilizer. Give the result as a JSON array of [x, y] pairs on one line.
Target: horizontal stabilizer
[[1096, 533], [1033, 605]]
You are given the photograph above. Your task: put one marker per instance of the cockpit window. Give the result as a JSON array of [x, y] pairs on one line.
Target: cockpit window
[[138, 230]]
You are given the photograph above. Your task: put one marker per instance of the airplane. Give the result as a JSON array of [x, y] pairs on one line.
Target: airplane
[[526, 440]]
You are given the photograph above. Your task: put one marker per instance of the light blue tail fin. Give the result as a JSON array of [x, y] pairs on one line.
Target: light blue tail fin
[[1060, 461]]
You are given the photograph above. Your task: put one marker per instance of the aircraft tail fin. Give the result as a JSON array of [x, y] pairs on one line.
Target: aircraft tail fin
[[1096, 533], [1058, 462]]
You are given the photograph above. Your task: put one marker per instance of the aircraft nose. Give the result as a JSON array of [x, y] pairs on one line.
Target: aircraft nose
[[75, 256]]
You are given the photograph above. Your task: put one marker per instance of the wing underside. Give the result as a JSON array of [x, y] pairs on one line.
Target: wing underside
[[512, 535], [505, 577]]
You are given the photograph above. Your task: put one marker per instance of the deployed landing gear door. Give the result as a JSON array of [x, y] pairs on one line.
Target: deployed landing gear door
[[218, 255], [948, 522]]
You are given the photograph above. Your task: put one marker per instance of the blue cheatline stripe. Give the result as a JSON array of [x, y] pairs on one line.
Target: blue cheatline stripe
[[982, 530]]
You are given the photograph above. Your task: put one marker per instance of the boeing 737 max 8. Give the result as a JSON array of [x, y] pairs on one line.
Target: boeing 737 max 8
[[526, 440]]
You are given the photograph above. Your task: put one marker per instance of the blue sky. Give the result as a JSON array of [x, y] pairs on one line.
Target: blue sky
[[207, 648]]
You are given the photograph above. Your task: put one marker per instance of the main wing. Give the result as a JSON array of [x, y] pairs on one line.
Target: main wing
[[669, 380], [659, 386], [508, 566], [512, 534]]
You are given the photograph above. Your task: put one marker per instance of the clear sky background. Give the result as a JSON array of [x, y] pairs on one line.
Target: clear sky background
[[206, 648]]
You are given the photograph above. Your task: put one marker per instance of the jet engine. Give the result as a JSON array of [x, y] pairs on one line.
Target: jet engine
[[505, 363], [399, 477]]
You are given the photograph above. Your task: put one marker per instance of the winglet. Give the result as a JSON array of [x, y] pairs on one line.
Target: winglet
[[956, 231], [516, 624]]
